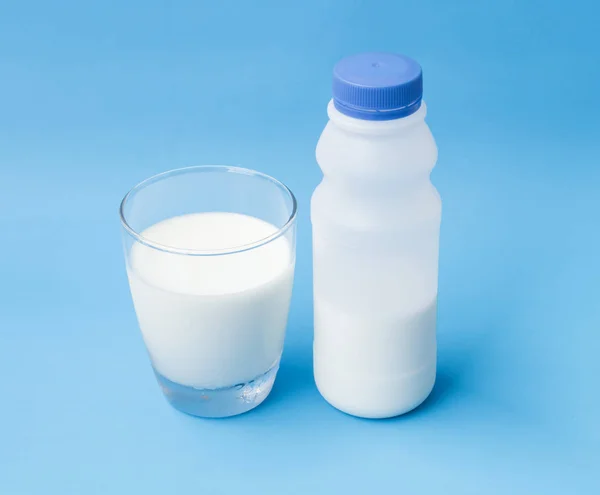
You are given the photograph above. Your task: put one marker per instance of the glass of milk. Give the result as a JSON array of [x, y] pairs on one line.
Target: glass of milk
[[210, 255]]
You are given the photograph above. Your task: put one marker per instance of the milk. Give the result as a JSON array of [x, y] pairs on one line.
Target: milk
[[362, 376], [375, 335], [212, 321]]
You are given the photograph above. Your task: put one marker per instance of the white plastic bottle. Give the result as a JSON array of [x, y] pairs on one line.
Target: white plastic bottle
[[376, 221]]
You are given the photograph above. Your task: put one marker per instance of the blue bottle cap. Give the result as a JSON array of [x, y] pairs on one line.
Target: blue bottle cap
[[377, 86]]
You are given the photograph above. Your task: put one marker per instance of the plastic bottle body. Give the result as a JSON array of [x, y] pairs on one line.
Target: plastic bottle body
[[376, 221]]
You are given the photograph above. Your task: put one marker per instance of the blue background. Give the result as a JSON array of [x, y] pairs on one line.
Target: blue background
[[96, 96]]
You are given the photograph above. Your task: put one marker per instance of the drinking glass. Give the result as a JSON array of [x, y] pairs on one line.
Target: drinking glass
[[210, 255]]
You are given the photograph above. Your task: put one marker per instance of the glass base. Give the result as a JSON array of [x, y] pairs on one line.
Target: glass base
[[219, 402]]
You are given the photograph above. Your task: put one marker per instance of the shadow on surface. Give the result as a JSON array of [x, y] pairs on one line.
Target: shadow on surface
[[447, 385], [295, 378]]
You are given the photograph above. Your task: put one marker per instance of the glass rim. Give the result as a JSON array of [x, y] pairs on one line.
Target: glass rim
[[207, 252]]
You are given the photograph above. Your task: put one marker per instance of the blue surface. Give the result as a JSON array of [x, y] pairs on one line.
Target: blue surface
[[97, 96]]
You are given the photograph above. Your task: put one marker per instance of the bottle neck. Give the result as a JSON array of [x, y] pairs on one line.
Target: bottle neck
[[360, 126]]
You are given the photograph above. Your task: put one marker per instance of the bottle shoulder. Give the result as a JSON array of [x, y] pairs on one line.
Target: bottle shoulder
[[384, 149]]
